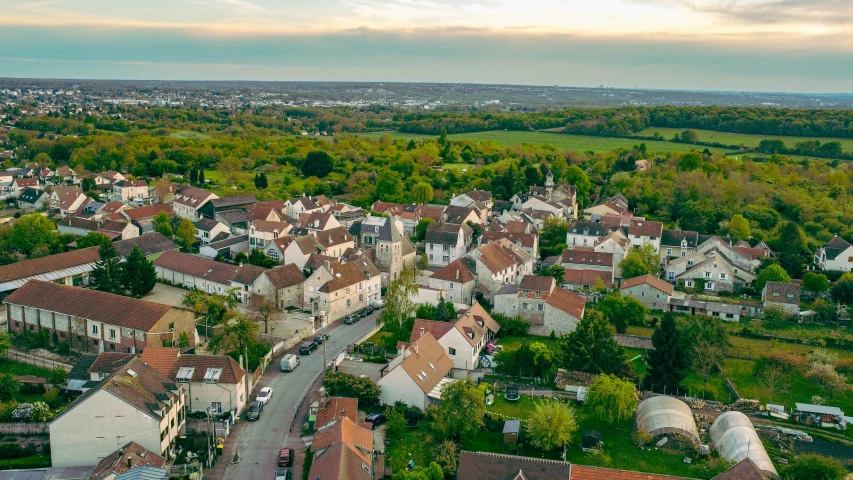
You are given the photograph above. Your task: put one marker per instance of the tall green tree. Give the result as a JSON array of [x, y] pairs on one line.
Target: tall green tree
[[422, 193], [551, 424], [815, 282], [622, 310], [185, 235], [109, 274], [814, 467], [317, 164], [420, 229], [396, 317], [140, 275], [32, 232], [773, 273], [842, 291], [389, 186], [738, 228], [668, 362], [793, 249], [611, 399], [641, 261], [93, 239], [591, 347], [557, 271], [576, 176], [460, 413], [552, 239], [340, 384]]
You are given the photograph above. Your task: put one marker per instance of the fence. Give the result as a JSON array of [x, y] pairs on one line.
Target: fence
[[178, 471], [44, 363], [24, 429]]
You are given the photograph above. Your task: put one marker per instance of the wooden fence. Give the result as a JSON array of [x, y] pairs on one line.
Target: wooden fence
[[44, 363]]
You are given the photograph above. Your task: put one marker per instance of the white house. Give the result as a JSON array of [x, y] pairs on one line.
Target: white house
[[262, 231], [130, 191], [651, 291], [192, 271], [188, 200], [207, 229], [295, 207], [457, 280], [463, 339], [586, 234], [644, 232], [418, 374], [499, 263], [68, 199], [334, 242], [446, 242], [298, 251], [135, 403], [836, 255]]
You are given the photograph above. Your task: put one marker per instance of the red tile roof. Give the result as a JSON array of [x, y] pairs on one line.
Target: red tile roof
[[436, 328], [586, 277], [91, 304], [51, 263], [162, 359], [651, 280], [331, 409], [455, 271], [149, 211], [567, 301]]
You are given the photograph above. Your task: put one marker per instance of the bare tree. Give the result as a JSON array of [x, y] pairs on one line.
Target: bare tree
[[262, 307], [229, 166], [774, 377], [162, 186], [706, 357]]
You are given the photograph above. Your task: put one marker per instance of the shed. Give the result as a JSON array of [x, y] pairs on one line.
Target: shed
[[735, 439], [511, 430], [821, 415], [661, 415]]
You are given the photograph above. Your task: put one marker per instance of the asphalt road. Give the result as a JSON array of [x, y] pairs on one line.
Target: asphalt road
[[259, 442]]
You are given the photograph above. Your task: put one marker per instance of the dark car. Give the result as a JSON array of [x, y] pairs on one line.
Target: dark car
[[364, 312], [307, 347], [376, 419], [285, 457], [351, 319], [255, 411], [319, 339], [282, 474]]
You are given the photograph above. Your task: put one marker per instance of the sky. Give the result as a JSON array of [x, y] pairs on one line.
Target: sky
[[752, 45]]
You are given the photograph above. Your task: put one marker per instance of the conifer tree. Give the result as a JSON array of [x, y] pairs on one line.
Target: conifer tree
[[668, 361], [108, 274], [140, 275]]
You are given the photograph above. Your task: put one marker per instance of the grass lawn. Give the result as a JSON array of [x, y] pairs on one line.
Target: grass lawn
[[33, 461], [378, 338], [17, 368], [512, 343], [581, 143], [745, 139]]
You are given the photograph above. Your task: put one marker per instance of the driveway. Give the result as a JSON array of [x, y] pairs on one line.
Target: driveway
[[166, 295], [258, 443]]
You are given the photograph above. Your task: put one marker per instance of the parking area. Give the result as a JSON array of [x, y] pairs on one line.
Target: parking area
[[358, 368], [167, 295]]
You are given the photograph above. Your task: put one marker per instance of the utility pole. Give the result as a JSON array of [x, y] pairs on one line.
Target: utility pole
[[246, 352], [325, 362]]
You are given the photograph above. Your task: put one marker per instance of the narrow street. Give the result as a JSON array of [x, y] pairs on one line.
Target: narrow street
[[258, 443]]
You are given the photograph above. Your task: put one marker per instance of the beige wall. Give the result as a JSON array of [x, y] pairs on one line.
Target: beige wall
[[649, 296], [182, 321], [231, 396]]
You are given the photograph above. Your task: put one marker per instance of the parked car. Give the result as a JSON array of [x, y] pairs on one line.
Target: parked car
[[289, 362], [369, 309], [378, 304], [319, 339], [282, 474], [307, 347], [255, 410], [351, 319], [376, 419], [285, 457], [264, 395]]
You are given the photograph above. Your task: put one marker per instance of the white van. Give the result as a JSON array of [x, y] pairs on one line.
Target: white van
[[289, 362]]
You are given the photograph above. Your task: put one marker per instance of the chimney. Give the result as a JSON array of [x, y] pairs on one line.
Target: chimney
[[416, 347], [129, 462], [422, 332], [241, 362]]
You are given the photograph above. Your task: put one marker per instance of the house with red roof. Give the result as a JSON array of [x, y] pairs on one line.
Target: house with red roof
[[546, 306]]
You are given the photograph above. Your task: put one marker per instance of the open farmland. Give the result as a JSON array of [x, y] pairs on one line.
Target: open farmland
[[745, 139]]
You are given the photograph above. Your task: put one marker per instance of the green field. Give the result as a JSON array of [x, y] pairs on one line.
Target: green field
[[580, 143], [744, 139]]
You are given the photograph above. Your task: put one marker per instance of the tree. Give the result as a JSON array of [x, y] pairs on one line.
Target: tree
[[422, 193], [5, 343], [58, 376], [389, 186], [476, 231], [773, 273], [591, 347], [201, 176], [163, 224], [815, 282], [317, 163], [815, 467], [772, 374], [552, 240], [229, 166], [641, 261], [399, 306], [9, 387], [185, 235], [706, 357], [446, 455], [432, 472], [556, 271], [162, 189], [421, 228], [31, 232], [140, 275], [669, 360], [738, 228], [233, 335], [93, 239], [442, 137], [611, 399], [551, 425], [622, 310], [576, 176], [842, 291], [396, 423], [259, 258], [793, 249], [460, 413], [340, 384], [108, 275], [262, 306]]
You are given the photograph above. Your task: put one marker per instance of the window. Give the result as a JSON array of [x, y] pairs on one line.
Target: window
[[670, 275], [707, 274], [112, 334], [723, 276], [348, 303], [683, 254], [541, 307], [451, 351], [430, 257], [524, 305], [94, 329], [216, 407], [688, 283], [451, 285], [538, 294], [669, 251], [446, 248], [361, 297], [445, 259]]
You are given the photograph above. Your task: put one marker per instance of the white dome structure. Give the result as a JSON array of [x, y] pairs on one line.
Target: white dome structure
[[661, 414], [735, 438]]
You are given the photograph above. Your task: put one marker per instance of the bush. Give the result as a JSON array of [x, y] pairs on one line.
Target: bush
[[11, 450], [53, 398], [511, 326], [32, 389]]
